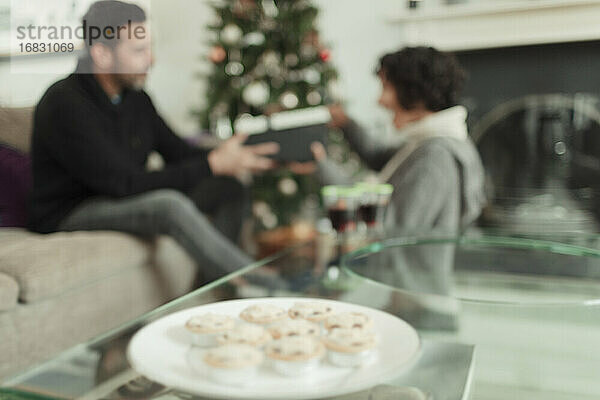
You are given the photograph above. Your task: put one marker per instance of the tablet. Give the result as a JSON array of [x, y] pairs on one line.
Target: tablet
[[294, 131]]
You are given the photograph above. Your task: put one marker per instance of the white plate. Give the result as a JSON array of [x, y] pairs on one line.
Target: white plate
[[162, 352]]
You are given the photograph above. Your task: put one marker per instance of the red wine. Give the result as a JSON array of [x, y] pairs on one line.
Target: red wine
[[371, 213], [368, 213], [342, 220]]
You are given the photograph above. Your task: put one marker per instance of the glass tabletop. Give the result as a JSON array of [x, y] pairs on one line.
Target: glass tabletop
[[530, 307], [100, 369]]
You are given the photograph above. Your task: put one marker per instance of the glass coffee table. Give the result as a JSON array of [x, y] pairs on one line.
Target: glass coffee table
[[99, 369], [530, 305], [498, 317]]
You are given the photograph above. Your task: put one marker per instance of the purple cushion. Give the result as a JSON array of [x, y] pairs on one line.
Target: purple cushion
[[15, 184]]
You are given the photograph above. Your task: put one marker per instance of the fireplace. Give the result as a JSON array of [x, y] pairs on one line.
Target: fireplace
[[535, 117]]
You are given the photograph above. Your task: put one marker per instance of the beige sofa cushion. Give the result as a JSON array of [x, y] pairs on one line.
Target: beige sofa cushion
[[46, 265], [10, 235], [9, 292], [15, 127]]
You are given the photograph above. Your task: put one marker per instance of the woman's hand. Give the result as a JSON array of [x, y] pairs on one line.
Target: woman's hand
[[339, 118], [318, 151], [307, 168]]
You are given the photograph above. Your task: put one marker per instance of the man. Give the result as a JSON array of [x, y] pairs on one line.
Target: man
[[93, 132]]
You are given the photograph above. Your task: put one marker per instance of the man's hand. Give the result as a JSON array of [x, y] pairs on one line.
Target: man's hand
[[232, 158]]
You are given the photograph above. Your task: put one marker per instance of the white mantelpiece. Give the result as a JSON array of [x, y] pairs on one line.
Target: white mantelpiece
[[490, 25]]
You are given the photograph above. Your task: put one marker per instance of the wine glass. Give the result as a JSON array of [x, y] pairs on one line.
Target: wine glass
[[372, 205], [341, 202]]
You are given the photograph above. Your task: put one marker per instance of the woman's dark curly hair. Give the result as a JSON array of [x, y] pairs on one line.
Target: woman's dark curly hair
[[423, 76]]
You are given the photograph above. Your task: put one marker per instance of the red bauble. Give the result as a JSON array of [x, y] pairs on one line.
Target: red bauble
[[217, 54], [324, 55]]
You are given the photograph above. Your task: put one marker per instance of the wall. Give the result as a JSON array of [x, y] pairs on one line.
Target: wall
[[25, 89], [180, 53], [355, 29], [359, 34]]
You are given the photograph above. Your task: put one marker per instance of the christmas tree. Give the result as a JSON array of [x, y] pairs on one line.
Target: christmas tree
[[267, 56]]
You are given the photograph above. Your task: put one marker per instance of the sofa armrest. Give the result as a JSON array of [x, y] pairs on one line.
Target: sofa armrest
[[47, 265], [16, 127]]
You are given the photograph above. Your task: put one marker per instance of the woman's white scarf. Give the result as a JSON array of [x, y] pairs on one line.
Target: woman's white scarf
[[450, 123]]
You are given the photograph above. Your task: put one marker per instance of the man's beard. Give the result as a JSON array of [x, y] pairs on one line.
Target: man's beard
[[138, 83], [134, 82]]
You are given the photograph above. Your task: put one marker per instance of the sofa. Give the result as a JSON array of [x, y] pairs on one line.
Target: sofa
[[60, 289]]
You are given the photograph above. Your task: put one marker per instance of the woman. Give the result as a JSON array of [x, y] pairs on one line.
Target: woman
[[436, 173], [435, 169]]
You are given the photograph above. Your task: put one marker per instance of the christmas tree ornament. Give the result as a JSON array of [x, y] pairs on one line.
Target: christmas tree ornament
[[312, 76], [270, 58], [260, 208], [308, 51], [294, 76], [262, 211], [334, 90], [254, 39], [289, 100], [244, 9], [291, 60], [287, 186], [217, 54], [324, 55], [270, 8], [256, 93], [313, 98], [269, 221], [231, 34], [234, 68], [223, 129]]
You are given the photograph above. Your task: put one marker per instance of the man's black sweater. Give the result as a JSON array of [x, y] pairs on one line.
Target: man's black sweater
[[84, 146]]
